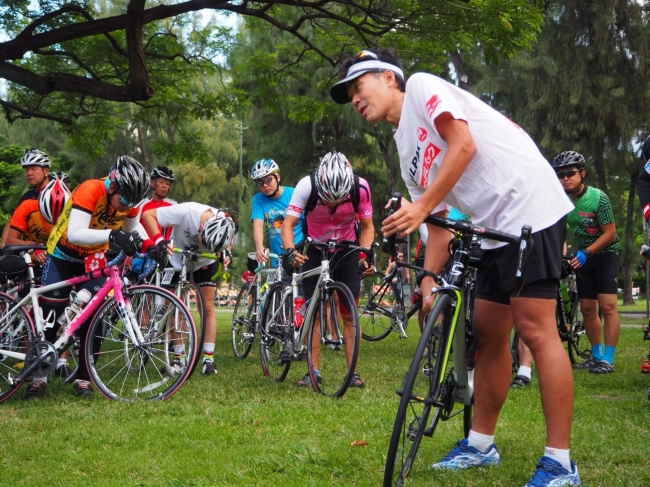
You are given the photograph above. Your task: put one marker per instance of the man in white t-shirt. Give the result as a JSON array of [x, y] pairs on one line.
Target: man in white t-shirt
[[456, 150], [212, 230]]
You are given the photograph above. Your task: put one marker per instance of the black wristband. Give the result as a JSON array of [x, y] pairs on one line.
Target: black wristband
[[587, 253], [422, 274]]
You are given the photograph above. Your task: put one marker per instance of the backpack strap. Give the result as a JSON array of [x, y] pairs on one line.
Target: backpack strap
[[355, 195]]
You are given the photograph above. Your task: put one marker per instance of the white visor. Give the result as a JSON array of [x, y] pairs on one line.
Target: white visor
[[339, 92]]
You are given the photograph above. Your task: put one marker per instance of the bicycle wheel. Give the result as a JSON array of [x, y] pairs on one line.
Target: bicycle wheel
[[377, 303], [578, 343], [16, 335], [160, 365], [192, 298], [243, 321], [333, 348], [423, 391], [276, 335]]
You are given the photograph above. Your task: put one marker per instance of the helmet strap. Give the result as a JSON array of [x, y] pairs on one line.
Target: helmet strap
[[277, 188]]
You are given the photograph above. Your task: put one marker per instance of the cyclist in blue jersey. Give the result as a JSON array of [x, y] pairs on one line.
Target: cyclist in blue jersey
[[270, 208]]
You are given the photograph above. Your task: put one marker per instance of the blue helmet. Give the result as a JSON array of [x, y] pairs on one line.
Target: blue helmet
[[263, 168]]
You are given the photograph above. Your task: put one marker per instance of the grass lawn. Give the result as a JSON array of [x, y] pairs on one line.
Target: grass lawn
[[240, 429]]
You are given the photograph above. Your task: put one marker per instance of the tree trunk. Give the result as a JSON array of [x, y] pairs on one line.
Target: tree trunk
[[628, 255], [463, 78], [385, 153], [599, 163], [140, 87], [145, 159]]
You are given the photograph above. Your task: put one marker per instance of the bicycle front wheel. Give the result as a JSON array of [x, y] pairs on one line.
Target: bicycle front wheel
[[378, 300], [421, 395], [192, 298], [243, 321], [578, 343], [276, 335], [154, 369], [16, 335], [333, 349]]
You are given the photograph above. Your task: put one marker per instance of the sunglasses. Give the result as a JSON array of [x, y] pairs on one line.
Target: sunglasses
[[567, 174], [265, 181], [126, 202]]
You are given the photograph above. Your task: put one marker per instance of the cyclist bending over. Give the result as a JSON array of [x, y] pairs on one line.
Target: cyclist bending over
[[333, 218]]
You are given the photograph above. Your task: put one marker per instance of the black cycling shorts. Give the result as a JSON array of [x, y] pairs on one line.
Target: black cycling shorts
[[497, 282], [346, 270], [599, 275], [202, 277]]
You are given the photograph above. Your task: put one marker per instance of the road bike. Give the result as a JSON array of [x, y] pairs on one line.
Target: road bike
[[440, 377], [332, 347], [570, 326], [134, 335], [382, 304], [247, 315]]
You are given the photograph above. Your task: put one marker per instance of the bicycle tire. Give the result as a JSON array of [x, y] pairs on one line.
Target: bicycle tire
[[197, 309], [422, 385], [335, 357], [277, 332], [376, 307], [578, 342], [122, 371], [243, 321], [17, 334]]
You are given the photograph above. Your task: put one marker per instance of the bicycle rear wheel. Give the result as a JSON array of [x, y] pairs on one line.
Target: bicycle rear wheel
[[16, 335], [277, 332], [421, 395], [377, 302], [243, 321], [153, 370], [192, 298], [514, 351], [578, 343], [333, 348]]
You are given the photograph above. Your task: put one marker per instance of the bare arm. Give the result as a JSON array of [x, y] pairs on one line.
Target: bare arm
[[258, 238], [366, 239], [150, 221]]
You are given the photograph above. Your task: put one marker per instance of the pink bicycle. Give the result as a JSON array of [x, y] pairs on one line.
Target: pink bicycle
[[142, 342]]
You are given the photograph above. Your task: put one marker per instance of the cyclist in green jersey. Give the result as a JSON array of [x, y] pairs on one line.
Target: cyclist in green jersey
[[596, 260]]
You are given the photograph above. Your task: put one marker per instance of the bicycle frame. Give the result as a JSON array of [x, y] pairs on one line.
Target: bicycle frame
[[400, 299], [273, 275], [114, 282]]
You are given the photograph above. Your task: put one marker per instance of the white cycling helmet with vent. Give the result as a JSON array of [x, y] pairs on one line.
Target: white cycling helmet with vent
[[263, 168], [34, 157], [52, 200], [218, 232], [334, 178]]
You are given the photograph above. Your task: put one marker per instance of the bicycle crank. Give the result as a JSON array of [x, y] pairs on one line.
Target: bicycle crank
[[40, 360]]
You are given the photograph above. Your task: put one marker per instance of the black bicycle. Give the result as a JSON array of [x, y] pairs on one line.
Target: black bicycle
[[442, 371], [382, 303]]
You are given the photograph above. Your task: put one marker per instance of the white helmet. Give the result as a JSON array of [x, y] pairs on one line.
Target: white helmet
[[34, 157], [263, 168], [218, 232], [334, 178], [52, 200]]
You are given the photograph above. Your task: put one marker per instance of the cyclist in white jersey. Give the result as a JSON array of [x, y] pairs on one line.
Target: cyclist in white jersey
[[456, 150]]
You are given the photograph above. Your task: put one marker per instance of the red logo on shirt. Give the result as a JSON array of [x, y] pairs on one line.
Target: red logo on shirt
[[432, 104], [297, 209], [422, 134], [430, 154]]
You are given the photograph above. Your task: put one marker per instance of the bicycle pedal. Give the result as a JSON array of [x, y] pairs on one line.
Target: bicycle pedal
[[248, 336], [285, 357]]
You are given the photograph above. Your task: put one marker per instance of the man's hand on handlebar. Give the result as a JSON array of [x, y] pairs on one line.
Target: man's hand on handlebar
[[405, 220], [262, 255]]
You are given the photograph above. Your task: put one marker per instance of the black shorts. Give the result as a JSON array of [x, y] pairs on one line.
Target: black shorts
[[202, 276], [497, 282], [599, 275], [346, 270]]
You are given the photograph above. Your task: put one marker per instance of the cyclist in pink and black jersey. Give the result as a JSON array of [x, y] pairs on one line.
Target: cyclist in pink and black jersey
[[333, 218]]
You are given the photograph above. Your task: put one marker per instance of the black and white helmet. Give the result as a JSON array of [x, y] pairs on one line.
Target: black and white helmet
[[130, 179], [568, 159], [334, 178], [52, 200], [645, 151], [218, 232], [263, 168], [162, 172], [34, 157]]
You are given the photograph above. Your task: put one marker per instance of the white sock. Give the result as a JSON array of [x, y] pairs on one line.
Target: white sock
[[179, 349], [61, 361], [208, 348], [561, 456], [479, 441], [525, 371]]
